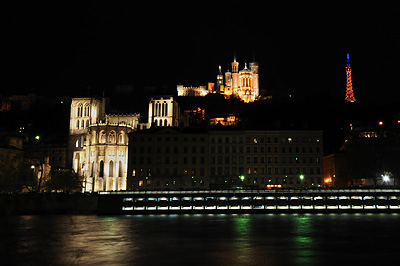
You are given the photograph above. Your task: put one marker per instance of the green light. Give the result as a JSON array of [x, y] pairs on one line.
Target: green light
[[37, 137], [241, 177], [301, 177]]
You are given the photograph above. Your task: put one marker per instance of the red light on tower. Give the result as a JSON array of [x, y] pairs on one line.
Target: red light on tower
[[349, 85]]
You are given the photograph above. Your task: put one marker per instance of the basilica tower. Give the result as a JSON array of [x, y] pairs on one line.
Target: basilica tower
[[220, 81], [254, 69], [235, 75]]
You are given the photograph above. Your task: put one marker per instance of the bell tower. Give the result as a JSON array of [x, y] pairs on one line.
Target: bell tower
[[235, 75]]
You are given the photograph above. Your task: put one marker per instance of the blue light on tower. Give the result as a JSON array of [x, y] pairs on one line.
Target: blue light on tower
[[348, 59]]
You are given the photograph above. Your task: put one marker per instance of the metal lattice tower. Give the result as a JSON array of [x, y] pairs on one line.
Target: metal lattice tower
[[349, 85]]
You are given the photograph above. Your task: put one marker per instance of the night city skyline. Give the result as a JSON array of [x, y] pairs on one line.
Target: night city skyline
[[200, 133], [62, 49]]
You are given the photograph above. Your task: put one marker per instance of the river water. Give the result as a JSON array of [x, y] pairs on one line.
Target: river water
[[201, 239]]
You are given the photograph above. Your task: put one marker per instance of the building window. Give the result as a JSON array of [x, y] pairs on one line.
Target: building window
[[79, 110], [111, 137], [111, 169], [120, 169], [103, 137], [121, 138], [87, 110], [101, 170]]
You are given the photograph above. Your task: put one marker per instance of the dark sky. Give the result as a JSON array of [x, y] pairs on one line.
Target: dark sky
[[61, 47]]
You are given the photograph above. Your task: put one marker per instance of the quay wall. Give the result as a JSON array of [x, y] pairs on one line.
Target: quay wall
[[48, 203]]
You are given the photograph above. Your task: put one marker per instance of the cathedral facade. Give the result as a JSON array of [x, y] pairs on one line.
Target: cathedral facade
[[98, 142]]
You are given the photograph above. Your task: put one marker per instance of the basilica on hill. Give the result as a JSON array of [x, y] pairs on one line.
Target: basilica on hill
[[242, 84]]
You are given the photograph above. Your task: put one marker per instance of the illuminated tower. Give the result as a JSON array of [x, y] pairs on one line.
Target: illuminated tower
[[235, 75], [349, 86], [220, 81], [254, 69]]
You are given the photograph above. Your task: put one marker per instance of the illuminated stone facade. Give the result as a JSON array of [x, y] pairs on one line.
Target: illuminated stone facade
[[243, 84], [163, 112], [191, 91], [107, 154], [98, 144], [84, 112]]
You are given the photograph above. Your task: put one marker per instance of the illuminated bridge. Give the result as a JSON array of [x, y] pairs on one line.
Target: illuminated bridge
[[249, 201]]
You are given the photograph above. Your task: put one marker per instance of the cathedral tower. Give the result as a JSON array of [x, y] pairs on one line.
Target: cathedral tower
[[84, 112]]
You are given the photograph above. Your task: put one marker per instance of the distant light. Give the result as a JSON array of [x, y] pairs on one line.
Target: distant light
[[241, 177], [385, 178], [32, 166], [37, 137], [301, 177], [380, 123]]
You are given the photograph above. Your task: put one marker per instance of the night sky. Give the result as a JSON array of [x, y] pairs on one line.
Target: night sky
[[60, 48]]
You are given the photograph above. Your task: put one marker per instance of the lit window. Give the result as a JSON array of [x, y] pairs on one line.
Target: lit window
[[289, 140]]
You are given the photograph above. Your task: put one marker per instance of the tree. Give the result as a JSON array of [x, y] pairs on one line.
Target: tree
[[64, 180]]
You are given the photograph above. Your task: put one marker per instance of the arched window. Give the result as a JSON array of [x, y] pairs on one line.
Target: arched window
[[165, 123], [77, 143], [162, 109], [82, 141], [121, 138], [111, 169], [103, 137], [101, 169], [87, 123], [92, 169], [120, 169], [159, 109], [87, 110], [111, 137], [165, 108], [79, 110], [82, 124], [77, 124]]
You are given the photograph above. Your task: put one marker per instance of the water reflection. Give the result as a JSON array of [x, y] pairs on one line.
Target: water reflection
[[199, 240], [304, 240]]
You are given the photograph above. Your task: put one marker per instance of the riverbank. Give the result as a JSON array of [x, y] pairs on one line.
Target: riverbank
[[48, 203]]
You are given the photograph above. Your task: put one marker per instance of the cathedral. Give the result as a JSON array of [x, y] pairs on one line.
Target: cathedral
[[98, 142], [242, 84]]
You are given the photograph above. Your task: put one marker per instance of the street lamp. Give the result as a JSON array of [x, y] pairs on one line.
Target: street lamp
[[385, 178], [241, 177], [301, 179]]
